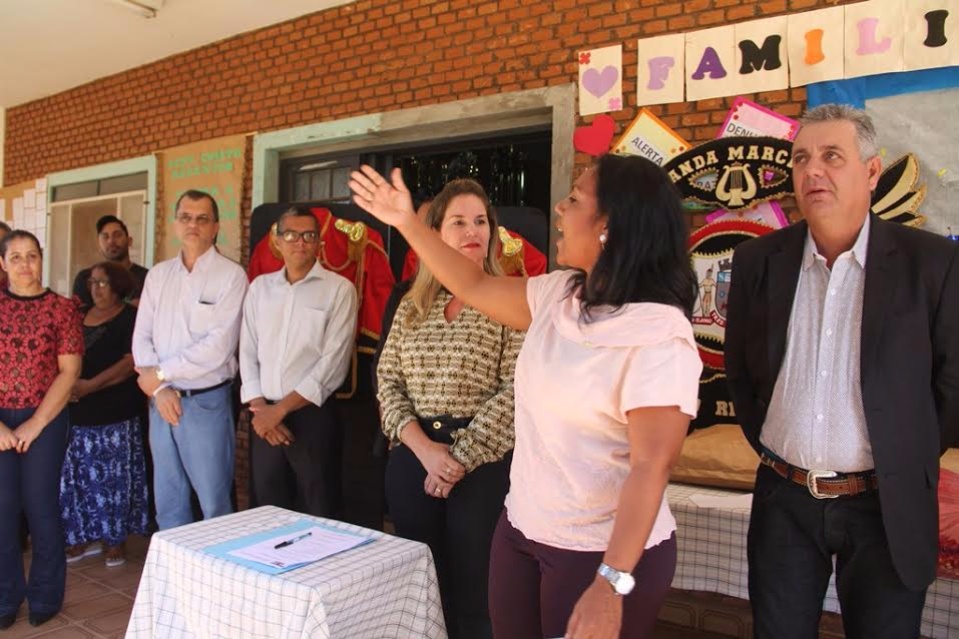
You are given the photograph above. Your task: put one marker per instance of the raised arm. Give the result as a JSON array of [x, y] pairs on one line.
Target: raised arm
[[502, 299]]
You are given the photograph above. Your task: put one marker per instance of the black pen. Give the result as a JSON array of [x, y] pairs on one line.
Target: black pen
[[289, 542]]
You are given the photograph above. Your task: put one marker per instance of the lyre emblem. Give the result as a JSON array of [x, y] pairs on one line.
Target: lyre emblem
[[730, 187]]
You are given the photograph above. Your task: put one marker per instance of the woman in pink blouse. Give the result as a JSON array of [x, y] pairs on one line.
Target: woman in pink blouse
[[606, 383]]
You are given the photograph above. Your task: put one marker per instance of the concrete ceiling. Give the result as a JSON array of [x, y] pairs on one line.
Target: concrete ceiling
[[48, 46]]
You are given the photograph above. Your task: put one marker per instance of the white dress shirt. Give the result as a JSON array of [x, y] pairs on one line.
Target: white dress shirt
[[188, 322], [815, 418], [297, 337]]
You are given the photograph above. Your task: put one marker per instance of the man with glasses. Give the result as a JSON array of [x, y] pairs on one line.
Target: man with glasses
[[114, 242], [299, 326], [184, 346]]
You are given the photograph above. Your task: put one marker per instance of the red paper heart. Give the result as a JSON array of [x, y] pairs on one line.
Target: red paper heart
[[596, 137]]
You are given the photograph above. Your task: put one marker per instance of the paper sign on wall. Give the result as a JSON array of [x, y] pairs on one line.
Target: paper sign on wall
[[931, 38], [648, 137], [873, 37], [601, 80], [216, 167], [660, 71], [761, 60], [746, 118], [815, 41], [710, 59]]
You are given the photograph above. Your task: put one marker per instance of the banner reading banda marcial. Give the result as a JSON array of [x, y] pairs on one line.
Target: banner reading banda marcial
[[215, 166]]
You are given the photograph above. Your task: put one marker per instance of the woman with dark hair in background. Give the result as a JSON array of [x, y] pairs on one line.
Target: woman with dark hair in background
[[606, 384], [41, 345], [445, 386], [103, 490]]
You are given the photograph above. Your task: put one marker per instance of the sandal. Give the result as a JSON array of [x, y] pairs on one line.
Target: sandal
[[115, 556], [80, 551]]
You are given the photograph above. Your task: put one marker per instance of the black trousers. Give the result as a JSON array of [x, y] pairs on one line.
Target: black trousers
[[304, 476], [363, 499], [793, 538], [458, 530]]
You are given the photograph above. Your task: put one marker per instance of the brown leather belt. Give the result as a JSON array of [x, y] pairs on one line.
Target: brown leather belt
[[825, 484]]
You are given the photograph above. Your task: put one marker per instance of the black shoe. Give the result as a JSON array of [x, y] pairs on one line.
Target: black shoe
[[40, 618], [7, 620]]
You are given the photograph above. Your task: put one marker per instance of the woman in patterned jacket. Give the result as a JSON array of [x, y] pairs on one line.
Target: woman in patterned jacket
[[445, 386]]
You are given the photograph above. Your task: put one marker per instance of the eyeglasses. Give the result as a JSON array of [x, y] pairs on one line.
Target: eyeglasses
[[310, 237], [93, 283], [186, 219]]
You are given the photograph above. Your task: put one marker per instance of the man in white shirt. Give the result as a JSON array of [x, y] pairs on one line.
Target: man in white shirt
[[296, 343], [184, 346]]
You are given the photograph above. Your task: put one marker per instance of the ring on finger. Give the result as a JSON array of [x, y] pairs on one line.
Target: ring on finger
[[438, 491]]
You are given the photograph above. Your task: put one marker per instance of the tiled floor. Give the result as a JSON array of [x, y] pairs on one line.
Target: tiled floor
[[99, 600]]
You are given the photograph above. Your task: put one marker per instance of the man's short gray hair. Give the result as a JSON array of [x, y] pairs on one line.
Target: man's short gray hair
[[865, 129]]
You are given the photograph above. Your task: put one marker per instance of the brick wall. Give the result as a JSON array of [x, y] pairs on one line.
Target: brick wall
[[366, 57]]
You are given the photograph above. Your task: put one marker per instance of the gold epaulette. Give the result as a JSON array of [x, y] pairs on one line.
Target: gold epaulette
[[358, 237], [511, 259]]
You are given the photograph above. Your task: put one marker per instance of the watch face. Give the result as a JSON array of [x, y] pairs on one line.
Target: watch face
[[625, 584]]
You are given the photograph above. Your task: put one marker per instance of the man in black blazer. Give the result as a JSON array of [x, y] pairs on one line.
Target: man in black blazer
[[842, 355]]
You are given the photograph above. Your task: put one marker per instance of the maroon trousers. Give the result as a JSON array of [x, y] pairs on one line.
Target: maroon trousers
[[534, 587]]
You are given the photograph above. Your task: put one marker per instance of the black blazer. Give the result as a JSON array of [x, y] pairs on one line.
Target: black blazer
[[909, 365]]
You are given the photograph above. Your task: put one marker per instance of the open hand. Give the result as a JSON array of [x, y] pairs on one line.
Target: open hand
[[389, 203]]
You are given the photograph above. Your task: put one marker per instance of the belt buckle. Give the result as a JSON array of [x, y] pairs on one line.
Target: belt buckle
[[813, 476]]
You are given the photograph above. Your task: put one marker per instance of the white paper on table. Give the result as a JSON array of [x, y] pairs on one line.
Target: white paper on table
[[703, 500], [321, 543]]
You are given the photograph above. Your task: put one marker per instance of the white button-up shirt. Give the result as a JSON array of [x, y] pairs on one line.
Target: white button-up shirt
[[297, 337], [815, 418], [188, 322]]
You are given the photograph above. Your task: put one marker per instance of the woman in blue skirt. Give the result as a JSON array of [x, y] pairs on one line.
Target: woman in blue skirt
[[103, 490]]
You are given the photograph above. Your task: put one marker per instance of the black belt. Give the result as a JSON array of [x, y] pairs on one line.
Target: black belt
[[191, 392], [441, 428]]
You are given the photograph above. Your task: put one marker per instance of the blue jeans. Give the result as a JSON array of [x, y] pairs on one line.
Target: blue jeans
[[30, 483], [197, 454]]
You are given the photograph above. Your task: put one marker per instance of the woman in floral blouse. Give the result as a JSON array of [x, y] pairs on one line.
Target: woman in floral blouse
[[41, 345]]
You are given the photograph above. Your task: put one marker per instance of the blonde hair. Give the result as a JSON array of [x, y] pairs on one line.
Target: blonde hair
[[425, 286]]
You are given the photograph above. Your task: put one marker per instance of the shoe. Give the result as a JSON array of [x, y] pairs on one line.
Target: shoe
[[40, 618], [115, 556], [7, 620], [81, 551]]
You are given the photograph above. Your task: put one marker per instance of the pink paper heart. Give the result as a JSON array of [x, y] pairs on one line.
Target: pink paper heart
[[600, 82], [596, 137]]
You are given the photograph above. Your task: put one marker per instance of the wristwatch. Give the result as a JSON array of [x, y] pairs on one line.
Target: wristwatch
[[160, 376], [622, 582]]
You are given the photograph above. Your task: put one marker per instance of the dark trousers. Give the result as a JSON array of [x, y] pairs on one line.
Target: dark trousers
[[793, 538], [363, 472], [30, 483], [304, 476], [458, 530], [534, 587]]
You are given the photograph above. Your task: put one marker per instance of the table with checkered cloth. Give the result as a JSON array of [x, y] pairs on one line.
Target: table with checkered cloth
[[712, 558], [386, 588]]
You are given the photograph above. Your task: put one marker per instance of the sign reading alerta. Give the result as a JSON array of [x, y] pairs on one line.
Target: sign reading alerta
[[734, 173]]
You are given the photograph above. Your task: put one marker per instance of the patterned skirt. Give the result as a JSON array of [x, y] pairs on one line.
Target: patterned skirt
[[103, 490]]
